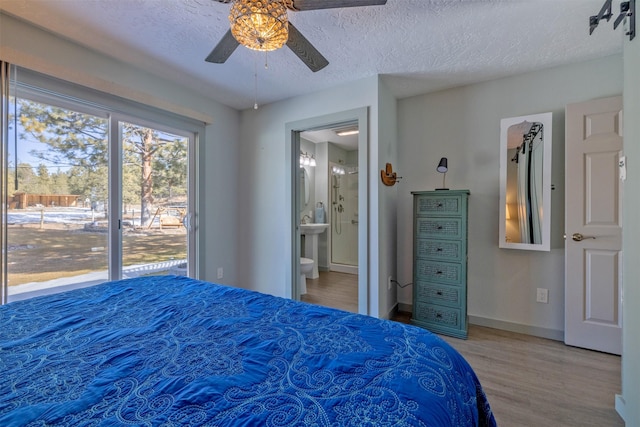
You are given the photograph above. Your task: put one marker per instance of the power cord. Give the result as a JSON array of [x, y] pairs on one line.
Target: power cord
[[400, 285]]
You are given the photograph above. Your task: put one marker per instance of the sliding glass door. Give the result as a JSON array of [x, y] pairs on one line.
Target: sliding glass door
[[154, 199], [92, 195], [57, 190]]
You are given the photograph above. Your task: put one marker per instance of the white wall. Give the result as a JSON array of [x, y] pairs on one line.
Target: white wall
[[35, 49], [463, 124], [628, 404], [322, 195], [218, 194], [387, 199]]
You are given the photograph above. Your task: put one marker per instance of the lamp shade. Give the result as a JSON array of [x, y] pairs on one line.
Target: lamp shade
[[259, 25], [442, 166]]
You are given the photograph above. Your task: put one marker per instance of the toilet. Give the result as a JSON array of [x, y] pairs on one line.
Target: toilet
[[306, 266]]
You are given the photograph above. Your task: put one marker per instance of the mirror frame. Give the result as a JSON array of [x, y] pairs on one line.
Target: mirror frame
[[505, 124], [304, 178]]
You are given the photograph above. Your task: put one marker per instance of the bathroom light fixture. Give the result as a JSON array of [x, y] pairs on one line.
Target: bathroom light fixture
[[307, 160], [351, 130], [259, 25], [337, 170], [443, 168]]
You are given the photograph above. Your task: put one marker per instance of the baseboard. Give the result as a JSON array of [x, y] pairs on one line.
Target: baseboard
[[344, 268], [519, 328], [536, 331], [620, 406]]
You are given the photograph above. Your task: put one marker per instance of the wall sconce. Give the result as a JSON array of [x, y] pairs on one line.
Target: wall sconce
[[307, 160], [443, 168], [389, 177]]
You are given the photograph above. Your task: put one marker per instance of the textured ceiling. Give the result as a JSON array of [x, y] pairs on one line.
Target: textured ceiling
[[418, 45]]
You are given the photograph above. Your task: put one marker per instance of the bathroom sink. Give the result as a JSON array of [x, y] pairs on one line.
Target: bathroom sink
[[313, 228], [311, 232]]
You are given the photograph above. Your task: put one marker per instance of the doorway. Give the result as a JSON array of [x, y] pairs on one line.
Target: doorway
[[327, 123], [329, 197]]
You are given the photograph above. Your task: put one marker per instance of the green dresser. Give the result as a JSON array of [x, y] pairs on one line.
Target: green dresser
[[440, 261]]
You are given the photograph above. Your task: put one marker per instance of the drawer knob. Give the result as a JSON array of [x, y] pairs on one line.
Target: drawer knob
[[439, 316], [439, 293], [438, 272], [439, 227], [439, 249], [439, 205]]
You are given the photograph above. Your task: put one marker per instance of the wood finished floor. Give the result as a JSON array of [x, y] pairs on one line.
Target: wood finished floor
[[529, 381], [332, 289]]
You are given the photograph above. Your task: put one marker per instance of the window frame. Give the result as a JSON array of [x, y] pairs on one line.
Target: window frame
[[59, 93]]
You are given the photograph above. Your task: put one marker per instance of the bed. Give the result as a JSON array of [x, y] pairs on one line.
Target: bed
[[174, 351]]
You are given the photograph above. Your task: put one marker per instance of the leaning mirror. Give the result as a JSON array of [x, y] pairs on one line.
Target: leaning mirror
[[525, 182]]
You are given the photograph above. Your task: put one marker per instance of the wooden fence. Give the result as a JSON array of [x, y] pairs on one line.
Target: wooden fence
[[24, 200]]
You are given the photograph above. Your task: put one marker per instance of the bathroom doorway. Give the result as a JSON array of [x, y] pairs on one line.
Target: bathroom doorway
[[318, 137], [334, 193]]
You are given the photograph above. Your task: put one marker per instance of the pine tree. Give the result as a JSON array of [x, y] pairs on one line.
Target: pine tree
[[78, 142]]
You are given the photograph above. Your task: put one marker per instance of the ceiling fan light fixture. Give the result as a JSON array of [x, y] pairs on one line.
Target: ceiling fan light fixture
[[259, 24]]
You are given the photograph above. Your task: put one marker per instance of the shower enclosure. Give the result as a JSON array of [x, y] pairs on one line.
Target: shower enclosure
[[344, 218]]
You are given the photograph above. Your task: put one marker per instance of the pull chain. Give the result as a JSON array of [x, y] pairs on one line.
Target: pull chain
[[255, 77]]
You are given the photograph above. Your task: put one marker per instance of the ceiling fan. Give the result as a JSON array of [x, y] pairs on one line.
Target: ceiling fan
[[263, 25]]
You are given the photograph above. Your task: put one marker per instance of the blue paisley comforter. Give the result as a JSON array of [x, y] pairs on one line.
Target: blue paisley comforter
[[173, 351]]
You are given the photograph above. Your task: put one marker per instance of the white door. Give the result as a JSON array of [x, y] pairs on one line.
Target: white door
[[593, 225]]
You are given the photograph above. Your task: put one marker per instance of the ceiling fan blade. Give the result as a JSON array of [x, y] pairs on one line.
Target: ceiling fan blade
[[331, 4], [223, 49], [305, 50]]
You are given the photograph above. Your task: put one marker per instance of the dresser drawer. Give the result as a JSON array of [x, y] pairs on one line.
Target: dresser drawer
[[442, 205], [450, 250], [443, 316], [439, 294], [439, 228], [439, 272]]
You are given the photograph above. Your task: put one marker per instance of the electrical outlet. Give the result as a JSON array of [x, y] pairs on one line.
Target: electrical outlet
[[220, 273], [542, 295], [389, 281]]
